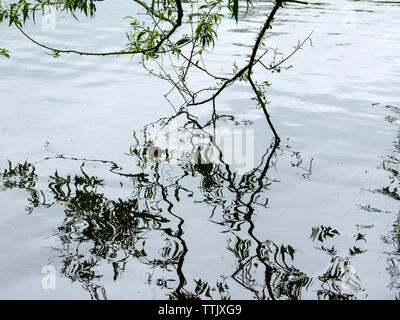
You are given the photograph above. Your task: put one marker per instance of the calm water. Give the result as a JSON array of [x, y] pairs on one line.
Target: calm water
[[316, 218]]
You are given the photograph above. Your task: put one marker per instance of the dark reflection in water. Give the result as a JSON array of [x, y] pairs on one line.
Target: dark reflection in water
[[391, 164], [98, 230]]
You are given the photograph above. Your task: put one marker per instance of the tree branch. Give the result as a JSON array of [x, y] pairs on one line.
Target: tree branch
[[155, 48]]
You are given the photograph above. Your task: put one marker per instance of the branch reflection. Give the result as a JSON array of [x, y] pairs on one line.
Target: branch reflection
[[99, 232]]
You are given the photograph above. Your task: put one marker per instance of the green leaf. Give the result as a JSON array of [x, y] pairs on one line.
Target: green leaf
[[182, 41], [4, 52]]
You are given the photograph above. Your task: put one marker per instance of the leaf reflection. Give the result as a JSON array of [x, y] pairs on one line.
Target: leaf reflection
[[99, 233]]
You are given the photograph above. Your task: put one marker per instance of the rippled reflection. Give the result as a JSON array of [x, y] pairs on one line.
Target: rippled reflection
[[391, 164], [100, 233]]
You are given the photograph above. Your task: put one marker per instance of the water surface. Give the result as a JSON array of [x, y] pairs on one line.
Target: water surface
[[81, 194]]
